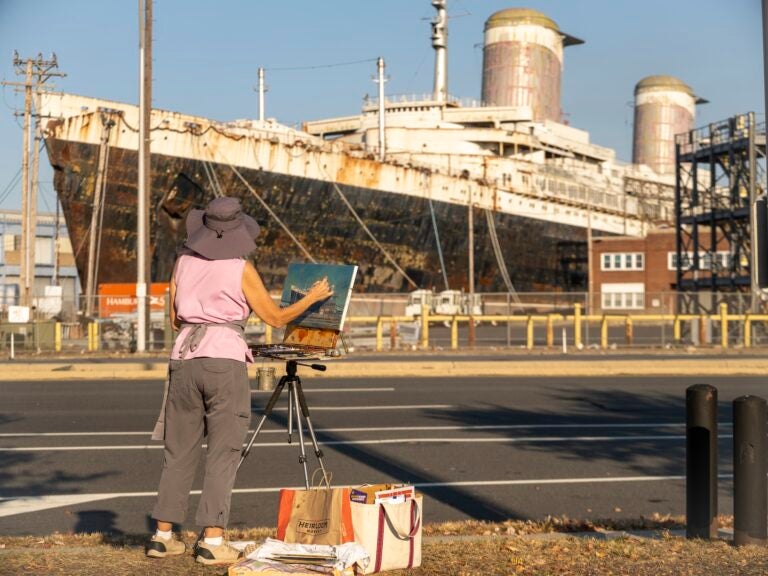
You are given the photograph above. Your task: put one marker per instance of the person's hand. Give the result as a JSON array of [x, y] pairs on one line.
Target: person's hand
[[320, 290]]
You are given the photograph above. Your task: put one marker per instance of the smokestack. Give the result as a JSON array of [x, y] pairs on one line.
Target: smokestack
[[664, 106], [523, 62]]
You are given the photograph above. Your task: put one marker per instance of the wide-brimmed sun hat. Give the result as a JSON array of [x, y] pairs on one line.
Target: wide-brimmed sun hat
[[221, 231]]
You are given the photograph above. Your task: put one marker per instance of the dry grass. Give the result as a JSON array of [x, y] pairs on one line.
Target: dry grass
[[508, 549]]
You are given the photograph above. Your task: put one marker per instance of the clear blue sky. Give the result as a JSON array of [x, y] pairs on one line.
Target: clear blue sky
[[206, 54]]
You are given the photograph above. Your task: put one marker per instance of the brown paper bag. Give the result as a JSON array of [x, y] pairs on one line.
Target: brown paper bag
[[315, 516]]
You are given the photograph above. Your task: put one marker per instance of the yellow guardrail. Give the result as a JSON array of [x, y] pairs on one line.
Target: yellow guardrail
[[577, 320], [386, 326], [94, 339], [57, 337]]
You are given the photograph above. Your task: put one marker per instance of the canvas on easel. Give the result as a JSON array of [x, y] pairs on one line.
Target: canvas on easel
[[322, 323]]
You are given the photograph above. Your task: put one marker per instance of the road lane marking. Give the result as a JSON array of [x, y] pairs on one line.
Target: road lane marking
[[331, 390], [388, 407], [497, 440], [24, 504], [389, 429]]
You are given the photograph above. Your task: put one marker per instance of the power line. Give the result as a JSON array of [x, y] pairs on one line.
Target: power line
[[318, 66], [15, 180]]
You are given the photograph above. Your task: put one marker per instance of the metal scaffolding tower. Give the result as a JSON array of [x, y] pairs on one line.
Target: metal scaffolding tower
[[720, 174]]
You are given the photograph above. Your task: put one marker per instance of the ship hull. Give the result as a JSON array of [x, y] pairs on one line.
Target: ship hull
[[316, 215]]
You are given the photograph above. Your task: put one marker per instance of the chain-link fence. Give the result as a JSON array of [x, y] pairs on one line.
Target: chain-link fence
[[562, 320]]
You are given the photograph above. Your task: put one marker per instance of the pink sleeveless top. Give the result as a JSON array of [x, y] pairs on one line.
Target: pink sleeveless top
[[210, 291]]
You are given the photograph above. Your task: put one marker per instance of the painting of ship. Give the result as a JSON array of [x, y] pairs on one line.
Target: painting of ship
[[417, 191], [330, 313]]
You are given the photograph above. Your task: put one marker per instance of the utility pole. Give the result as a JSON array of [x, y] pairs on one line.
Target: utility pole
[[145, 110], [28, 220], [33, 189], [36, 71]]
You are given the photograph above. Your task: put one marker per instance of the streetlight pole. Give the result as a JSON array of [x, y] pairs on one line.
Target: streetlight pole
[[145, 109]]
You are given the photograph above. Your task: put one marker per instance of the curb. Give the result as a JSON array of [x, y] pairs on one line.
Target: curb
[[117, 370]]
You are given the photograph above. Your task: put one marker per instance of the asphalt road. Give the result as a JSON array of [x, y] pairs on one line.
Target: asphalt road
[[76, 456]]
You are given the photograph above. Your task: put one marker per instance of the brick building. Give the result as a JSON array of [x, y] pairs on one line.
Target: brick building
[[634, 274], [640, 274]]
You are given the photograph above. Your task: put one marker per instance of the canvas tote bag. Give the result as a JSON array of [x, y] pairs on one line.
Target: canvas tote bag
[[320, 515], [390, 533]]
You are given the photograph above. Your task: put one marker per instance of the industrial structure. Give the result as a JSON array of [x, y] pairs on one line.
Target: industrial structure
[[720, 176]]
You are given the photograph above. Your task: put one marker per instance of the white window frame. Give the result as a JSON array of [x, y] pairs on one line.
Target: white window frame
[[622, 261], [722, 258], [622, 296], [44, 253]]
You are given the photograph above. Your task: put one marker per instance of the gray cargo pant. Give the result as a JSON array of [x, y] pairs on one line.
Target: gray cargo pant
[[206, 396]]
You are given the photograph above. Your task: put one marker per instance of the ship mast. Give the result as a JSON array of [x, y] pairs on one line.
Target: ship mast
[[440, 44], [261, 94]]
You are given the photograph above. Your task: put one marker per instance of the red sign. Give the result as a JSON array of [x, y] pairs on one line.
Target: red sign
[[117, 299]]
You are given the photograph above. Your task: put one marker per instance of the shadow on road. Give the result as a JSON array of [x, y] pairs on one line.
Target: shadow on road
[[96, 521], [24, 473], [657, 450], [458, 498]]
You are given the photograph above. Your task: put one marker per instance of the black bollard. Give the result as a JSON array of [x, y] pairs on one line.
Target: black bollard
[[750, 485], [701, 461]]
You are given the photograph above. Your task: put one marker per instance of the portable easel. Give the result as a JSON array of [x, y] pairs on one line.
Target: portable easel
[[305, 344]]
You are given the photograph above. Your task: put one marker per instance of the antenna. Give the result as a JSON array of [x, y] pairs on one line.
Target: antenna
[[380, 80]]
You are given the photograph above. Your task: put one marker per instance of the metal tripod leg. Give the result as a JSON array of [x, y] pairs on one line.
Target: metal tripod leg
[[302, 405], [290, 408], [294, 407], [297, 407], [267, 412]]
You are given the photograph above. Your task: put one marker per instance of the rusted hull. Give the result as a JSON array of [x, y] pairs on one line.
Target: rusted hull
[[315, 214]]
